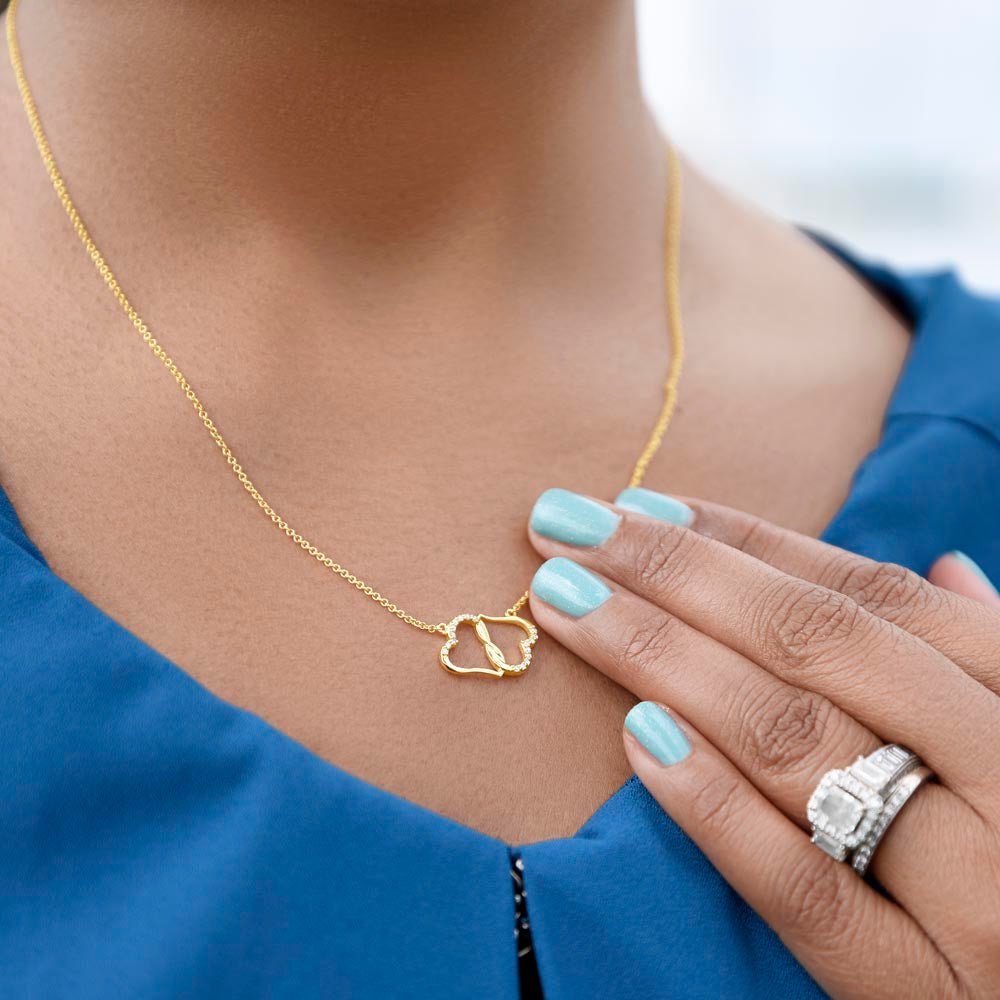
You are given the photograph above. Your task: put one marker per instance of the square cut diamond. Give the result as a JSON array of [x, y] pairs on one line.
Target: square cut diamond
[[842, 809]]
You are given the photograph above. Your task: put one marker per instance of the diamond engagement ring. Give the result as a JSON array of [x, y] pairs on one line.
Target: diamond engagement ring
[[852, 808]]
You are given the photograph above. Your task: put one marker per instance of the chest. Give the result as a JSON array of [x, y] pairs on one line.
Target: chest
[[132, 503]]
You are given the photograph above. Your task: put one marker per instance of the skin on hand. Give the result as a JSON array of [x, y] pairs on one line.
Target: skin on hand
[[782, 657]]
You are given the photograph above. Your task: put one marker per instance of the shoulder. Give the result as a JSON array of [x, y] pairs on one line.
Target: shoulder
[[933, 482], [953, 368]]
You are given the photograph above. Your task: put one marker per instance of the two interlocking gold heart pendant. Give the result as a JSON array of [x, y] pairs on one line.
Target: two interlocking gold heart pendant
[[499, 666]]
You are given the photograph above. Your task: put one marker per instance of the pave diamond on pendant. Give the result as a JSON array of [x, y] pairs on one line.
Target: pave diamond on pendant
[[499, 667]]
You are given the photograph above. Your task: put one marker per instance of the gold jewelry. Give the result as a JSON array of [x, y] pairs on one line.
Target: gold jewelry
[[499, 667]]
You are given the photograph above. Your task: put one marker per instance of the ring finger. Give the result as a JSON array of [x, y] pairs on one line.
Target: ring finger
[[853, 941]]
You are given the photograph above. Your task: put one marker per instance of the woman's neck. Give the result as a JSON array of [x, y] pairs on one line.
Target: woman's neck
[[382, 128]]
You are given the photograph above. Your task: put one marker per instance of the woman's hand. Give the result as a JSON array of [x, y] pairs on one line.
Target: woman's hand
[[781, 658]]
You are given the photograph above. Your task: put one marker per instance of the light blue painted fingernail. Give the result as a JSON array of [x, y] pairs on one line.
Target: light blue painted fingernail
[[657, 732], [644, 501], [969, 563], [569, 517], [569, 587]]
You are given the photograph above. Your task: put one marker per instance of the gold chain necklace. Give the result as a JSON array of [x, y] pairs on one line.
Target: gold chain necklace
[[498, 667]]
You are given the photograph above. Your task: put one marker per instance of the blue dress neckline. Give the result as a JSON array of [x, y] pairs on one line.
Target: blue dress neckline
[[136, 801]]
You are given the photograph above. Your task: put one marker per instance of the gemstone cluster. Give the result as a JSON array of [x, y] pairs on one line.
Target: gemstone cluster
[[844, 809]]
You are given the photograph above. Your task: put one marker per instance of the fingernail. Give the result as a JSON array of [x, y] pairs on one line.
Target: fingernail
[[571, 518], [657, 732], [666, 508], [970, 564], [569, 587]]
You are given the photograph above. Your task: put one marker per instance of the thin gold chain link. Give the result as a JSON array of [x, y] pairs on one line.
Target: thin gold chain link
[[672, 240]]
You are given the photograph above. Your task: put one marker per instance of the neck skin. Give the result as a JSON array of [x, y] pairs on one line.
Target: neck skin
[[378, 133]]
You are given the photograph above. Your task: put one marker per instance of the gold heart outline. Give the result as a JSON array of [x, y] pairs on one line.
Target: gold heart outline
[[500, 666]]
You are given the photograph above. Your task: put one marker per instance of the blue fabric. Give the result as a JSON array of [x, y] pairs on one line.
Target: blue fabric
[[157, 841]]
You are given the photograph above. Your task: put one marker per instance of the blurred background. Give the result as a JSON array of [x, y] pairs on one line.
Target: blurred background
[[873, 120]]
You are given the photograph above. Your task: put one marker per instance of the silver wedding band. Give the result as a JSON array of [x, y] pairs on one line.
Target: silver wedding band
[[851, 808]]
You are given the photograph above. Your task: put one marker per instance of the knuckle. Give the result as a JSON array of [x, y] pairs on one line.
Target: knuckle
[[649, 644], [715, 807], [889, 590], [780, 728], [659, 556], [804, 623]]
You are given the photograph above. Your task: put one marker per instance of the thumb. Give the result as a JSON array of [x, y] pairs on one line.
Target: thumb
[[955, 571]]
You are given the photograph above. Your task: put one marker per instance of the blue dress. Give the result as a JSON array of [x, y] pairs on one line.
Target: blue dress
[[159, 842]]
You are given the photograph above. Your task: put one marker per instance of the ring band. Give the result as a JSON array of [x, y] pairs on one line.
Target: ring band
[[897, 798], [851, 808]]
